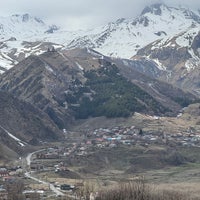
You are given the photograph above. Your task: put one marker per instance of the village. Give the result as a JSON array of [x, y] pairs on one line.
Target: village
[[117, 136], [14, 178]]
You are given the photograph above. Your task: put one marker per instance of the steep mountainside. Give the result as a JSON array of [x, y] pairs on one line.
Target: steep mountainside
[[42, 80], [81, 83], [177, 59], [21, 124]]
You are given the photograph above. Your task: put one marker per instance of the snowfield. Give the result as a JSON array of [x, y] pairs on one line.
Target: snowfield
[[122, 38]]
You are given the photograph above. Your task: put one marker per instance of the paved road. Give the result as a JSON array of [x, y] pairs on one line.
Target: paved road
[[30, 175], [28, 157]]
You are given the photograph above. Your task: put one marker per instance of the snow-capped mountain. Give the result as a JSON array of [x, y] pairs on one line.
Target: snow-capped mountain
[[177, 59], [125, 37], [15, 30], [22, 35], [21, 26]]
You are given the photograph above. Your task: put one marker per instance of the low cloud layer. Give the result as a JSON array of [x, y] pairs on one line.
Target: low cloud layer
[[79, 14]]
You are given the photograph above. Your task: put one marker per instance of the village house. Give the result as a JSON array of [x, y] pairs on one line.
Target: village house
[[36, 166], [48, 155], [4, 172], [3, 194], [33, 194]]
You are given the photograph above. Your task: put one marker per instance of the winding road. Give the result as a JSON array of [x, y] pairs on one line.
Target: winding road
[[29, 174]]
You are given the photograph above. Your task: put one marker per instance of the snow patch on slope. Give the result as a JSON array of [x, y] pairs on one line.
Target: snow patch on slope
[[20, 142], [185, 39], [193, 62], [49, 68], [124, 38], [159, 65], [79, 66]]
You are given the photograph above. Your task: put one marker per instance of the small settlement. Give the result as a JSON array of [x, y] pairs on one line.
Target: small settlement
[[114, 137], [12, 179]]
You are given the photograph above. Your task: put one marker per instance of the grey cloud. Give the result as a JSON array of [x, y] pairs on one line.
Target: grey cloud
[[85, 13]]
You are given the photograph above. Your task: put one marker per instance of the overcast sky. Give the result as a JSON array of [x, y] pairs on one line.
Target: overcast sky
[[81, 14]]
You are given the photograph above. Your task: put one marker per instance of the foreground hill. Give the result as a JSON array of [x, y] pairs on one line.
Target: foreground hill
[[22, 125], [82, 83]]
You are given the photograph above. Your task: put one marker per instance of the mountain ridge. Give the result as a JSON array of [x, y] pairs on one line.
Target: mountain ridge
[[133, 34], [177, 59], [62, 84], [121, 38]]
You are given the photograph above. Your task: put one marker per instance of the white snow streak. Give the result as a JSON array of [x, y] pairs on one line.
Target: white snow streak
[[20, 142], [79, 66]]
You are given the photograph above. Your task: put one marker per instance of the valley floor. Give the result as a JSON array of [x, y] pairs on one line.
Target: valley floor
[[100, 153]]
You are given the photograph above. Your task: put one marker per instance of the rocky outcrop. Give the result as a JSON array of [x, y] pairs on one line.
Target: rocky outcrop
[[155, 9], [196, 44], [177, 60], [169, 56]]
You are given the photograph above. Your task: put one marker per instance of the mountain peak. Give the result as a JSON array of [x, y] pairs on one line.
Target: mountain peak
[[52, 29], [191, 15], [155, 9], [25, 18], [120, 20]]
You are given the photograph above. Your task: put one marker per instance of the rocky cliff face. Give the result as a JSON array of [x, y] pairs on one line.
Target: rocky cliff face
[[196, 45], [176, 58]]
